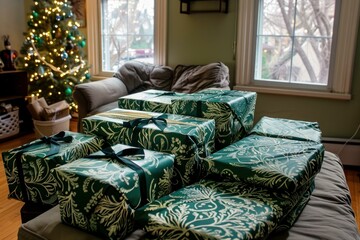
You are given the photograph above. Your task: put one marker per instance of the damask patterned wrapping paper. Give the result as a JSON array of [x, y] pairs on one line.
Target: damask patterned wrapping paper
[[100, 195], [288, 128], [217, 210], [150, 101], [37, 167], [233, 111], [275, 163], [189, 139]]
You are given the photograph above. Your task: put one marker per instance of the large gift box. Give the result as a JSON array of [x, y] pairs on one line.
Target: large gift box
[[288, 128], [276, 163], [99, 193], [233, 111], [189, 139], [217, 210], [28, 168]]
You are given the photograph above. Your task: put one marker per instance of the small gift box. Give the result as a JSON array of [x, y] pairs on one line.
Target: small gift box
[[28, 168], [276, 163], [150, 100], [233, 111], [288, 128], [189, 139], [99, 193], [218, 210]]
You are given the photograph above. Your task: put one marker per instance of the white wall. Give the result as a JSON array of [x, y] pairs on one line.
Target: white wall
[[13, 22]]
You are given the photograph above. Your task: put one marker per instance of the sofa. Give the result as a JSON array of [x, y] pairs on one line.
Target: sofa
[[132, 77]]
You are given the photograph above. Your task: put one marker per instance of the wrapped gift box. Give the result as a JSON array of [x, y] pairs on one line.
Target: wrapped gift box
[[189, 139], [217, 210], [99, 193], [150, 101], [28, 168], [232, 110], [289, 220], [276, 163], [288, 128]]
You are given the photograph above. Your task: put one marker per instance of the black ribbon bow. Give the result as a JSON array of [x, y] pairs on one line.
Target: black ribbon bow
[[120, 157], [54, 142], [159, 121]]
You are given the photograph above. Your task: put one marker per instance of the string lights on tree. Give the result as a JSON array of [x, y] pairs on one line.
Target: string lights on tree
[[53, 51]]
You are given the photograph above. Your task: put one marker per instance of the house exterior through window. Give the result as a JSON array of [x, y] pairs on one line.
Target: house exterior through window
[[123, 30], [297, 47]]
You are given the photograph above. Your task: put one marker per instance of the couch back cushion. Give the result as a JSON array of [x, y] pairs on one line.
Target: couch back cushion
[[193, 78], [138, 76]]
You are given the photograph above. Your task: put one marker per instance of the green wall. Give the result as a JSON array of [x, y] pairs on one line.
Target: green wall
[[208, 37]]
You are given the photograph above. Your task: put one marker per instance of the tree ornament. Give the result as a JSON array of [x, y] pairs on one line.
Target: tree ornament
[[68, 91], [87, 75], [41, 70], [64, 55], [82, 43], [58, 18], [35, 14], [30, 23], [40, 41], [70, 37], [74, 27]]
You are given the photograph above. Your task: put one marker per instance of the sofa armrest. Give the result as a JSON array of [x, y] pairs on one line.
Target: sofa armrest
[[92, 95]]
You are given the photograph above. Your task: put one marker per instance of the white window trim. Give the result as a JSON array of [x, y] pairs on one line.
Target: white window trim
[[94, 36], [343, 65]]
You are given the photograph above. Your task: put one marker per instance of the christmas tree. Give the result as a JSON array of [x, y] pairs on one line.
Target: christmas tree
[[53, 52]]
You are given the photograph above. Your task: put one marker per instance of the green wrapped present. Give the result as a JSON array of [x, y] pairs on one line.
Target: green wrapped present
[[189, 139], [217, 210], [100, 193], [232, 110], [288, 128], [289, 220], [150, 101], [28, 168], [276, 163]]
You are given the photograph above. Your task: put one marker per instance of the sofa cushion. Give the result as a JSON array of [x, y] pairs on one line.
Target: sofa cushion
[[49, 226], [98, 93], [139, 76], [193, 78]]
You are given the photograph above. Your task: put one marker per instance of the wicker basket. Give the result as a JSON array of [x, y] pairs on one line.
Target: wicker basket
[[9, 124]]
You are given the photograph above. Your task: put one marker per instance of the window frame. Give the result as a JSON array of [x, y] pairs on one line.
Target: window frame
[[93, 9], [345, 47]]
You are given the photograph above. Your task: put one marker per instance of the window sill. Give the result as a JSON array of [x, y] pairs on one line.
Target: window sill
[[289, 92]]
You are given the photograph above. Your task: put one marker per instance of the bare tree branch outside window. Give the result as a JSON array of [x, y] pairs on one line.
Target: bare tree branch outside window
[[294, 40], [127, 32]]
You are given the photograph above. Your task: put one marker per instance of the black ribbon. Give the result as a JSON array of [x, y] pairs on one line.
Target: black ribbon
[[167, 94], [119, 157], [159, 121], [53, 141]]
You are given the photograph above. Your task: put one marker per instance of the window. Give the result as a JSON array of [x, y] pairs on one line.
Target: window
[[298, 47], [123, 30]]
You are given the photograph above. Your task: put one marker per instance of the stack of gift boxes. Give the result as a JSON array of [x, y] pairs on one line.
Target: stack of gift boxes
[[179, 166]]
